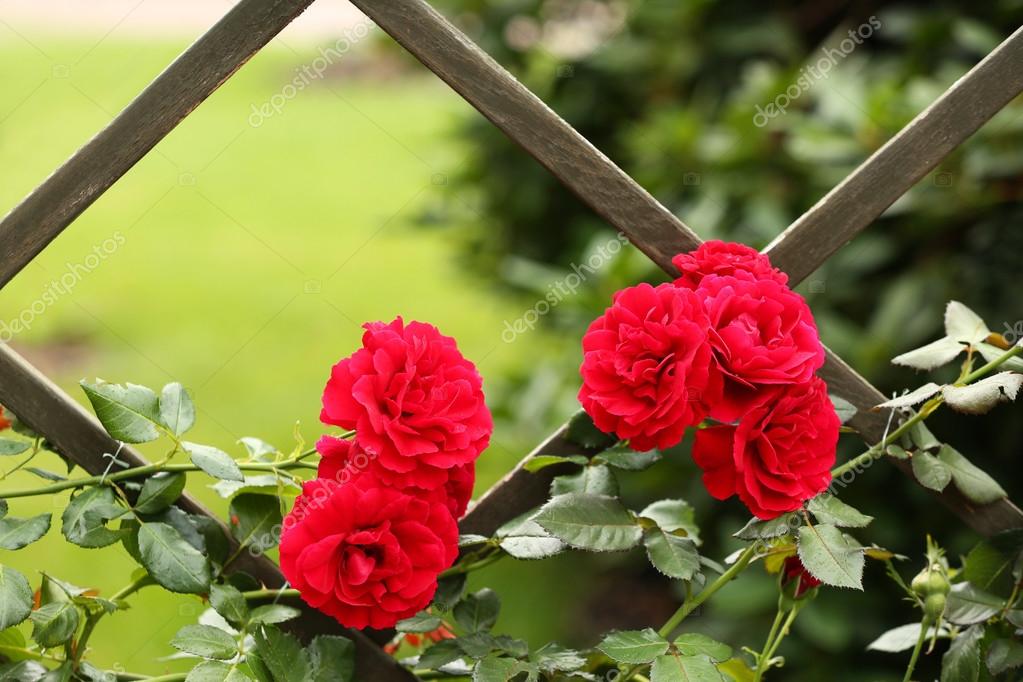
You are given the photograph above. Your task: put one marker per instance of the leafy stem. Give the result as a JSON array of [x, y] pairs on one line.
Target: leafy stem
[[764, 662], [94, 618], [924, 626]]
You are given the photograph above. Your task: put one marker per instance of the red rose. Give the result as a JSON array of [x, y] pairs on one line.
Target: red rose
[[647, 366], [416, 403], [798, 577], [779, 455], [367, 555], [342, 460], [726, 259], [763, 335], [5, 423]]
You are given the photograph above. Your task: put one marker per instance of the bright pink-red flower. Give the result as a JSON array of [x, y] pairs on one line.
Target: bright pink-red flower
[[797, 575], [647, 366], [342, 460], [415, 401], [368, 555], [763, 335], [720, 258], [5, 423], [779, 455]]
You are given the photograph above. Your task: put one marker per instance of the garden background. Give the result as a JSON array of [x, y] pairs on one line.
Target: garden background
[[241, 255]]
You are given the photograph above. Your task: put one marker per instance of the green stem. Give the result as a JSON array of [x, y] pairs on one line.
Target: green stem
[[269, 594], [690, 605], [94, 619], [878, 450], [492, 555], [146, 470], [31, 455], [771, 635], [924, 627], [765, 660]]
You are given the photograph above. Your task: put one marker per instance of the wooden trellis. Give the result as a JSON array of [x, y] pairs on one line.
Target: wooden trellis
[[251, 24]]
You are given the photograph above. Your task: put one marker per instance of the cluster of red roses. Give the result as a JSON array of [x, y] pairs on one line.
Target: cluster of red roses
[[367, 539], [728, 340]]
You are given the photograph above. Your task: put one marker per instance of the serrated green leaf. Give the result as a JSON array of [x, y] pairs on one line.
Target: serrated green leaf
[[831, 556], [930, 471], [53, 624], [902, 638], [84, 520], [497, 668], [633, 646], [159, 492], [829, 509], [256, 447], [16, 533], [1003, 655], [421, 622], [695, 644], [961, 663], [582, 431], [449, 591], [624, 457], [555, 658], [129, 413], [217, 671], [274, 613], [967, 605], [15, 597], [171, 561], [757, 529], [534, 464], [672, 555], [972, 481], [593, 522], [256, 520], [213, 461], [10, 447], [332, 659], [282, 655], [596, 479], [177, 411], [440, 654], [205, 641], [229, 602], [675, 668], [673, 516], [478, 611]]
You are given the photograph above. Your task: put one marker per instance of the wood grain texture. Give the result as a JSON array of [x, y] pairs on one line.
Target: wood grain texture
[[533, 125], [200, 70], [898, 165], [76, 435]]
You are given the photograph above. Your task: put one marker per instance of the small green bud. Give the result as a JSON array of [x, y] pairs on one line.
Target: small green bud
[[934, 606]]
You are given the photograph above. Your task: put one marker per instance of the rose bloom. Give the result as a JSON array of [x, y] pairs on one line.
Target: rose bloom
[[367, 555], [415, 401], [728, 259], [342, 460], [795, 572], [647, 366], [779, 455], [763, 335]]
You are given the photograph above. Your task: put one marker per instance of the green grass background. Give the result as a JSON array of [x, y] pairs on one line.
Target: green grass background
[[250, 258]]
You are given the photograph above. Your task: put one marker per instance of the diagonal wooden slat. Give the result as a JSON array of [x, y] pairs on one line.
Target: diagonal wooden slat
[[200, 70], [76, 435], [898, 165]]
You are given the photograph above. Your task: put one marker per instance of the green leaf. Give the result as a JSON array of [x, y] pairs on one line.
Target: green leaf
[[961, 663], [672, 555], [16, 533], [449, 591], [597, 479], [256, 447], [674, 516], [624, 457], [274, 613], [229, 602], [9, 447], [332, 659], [478, 611], [44, 474], [593, 522], [264, 484], [555, 658], [534, 464], [216, 671], [831, 556], [130, 413], [989, 565], [54, 623], [902, 638], [1003, 655], [843, 408], [967, 605], [757, 529], [634, 646], [282, 655], [695, 644], [159, 492], [177, 411], [206, 641], [171, 561], [440, 654], [15, 597], [674, 668], [498, 668], [421, 622], [213, 461], [84, 520], [829, 509], [930, 471], [970, 479], [256, 520], [582, 431]]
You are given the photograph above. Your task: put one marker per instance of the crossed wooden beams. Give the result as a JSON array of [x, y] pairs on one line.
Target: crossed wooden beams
[[251, 24]]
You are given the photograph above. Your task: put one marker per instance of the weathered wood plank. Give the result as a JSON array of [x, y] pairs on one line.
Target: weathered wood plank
[[533, 125], [200, 70], [898, 165], [76, 435]]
